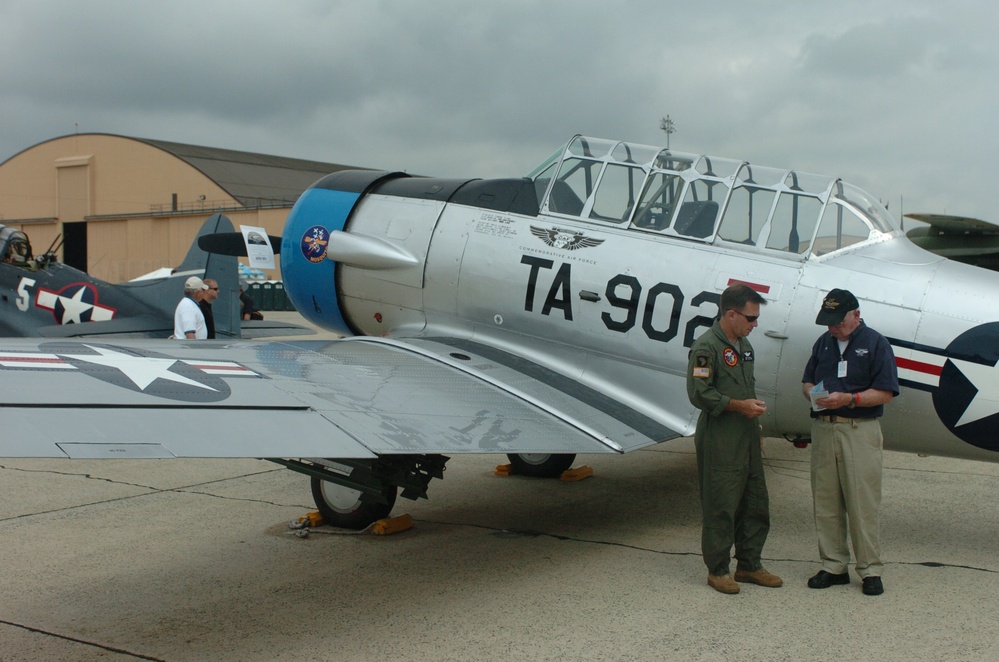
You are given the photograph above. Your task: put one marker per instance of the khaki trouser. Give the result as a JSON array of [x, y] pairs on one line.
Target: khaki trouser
[[846, 485]]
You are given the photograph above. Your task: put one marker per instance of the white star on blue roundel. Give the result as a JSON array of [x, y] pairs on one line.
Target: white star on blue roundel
[[967, 400]]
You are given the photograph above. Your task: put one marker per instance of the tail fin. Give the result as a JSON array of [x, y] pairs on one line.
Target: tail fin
[[225, 270], [163, 294]]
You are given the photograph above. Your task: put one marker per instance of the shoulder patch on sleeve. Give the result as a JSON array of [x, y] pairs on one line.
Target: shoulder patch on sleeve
[[702, 366]]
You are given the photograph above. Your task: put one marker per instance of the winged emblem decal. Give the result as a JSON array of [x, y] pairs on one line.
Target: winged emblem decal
[[568, 239]]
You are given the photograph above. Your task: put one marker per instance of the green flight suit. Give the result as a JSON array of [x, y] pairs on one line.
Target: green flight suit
[[735, 506]]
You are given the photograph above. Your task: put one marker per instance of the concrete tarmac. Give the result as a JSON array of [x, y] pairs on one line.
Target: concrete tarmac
[[193, 560]]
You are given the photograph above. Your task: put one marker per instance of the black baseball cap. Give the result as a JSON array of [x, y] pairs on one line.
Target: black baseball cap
[[835, 307]]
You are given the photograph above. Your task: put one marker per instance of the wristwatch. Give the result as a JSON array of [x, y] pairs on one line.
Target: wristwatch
[[854, 401]]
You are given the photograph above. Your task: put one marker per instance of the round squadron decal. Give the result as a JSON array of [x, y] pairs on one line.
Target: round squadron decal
[[730, 356], [315, 242]]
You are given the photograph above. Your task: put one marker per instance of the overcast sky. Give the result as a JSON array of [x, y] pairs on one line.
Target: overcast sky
[[900, 98]]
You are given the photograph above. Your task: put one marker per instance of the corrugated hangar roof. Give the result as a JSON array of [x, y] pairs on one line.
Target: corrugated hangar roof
[[253, 179]]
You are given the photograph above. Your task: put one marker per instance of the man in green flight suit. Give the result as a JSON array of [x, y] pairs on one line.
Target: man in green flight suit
[[735, 506]]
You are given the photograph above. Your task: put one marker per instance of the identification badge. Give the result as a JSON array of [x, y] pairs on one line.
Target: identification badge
[[841, 369]]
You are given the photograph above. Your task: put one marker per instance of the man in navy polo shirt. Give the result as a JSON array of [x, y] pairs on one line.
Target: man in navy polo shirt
[[855, 366]]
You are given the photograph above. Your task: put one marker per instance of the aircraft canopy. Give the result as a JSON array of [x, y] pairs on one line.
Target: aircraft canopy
[[708, 199], [14, 245]]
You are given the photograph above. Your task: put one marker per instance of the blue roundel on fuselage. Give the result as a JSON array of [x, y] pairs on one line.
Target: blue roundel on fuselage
[[309, 278], [966, 399]]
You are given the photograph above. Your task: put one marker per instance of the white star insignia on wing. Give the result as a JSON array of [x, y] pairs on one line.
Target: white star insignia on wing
[[141, 370]]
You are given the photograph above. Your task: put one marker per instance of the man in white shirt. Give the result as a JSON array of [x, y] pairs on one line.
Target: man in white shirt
[[188, 320]]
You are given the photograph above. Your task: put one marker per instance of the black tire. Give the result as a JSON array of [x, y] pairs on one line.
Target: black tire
[[541, 465], [342, 507]]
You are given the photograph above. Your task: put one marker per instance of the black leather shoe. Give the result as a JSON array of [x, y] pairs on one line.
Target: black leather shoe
[[826, 579], [873, 586]]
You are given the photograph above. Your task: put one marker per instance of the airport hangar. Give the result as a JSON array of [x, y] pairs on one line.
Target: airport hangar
[[129, 206]]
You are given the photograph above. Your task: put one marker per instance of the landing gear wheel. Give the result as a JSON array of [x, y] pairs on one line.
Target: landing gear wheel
[[342, 506], [541, 465]]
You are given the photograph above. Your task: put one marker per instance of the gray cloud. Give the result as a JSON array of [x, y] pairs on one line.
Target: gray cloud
[[896, 97]]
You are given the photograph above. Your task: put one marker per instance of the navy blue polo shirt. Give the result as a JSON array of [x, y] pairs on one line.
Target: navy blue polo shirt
[[870, 363]]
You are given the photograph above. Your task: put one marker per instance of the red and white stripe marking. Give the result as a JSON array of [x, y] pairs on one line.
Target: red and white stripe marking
[[920, 367], [223, 368], [39, 361]]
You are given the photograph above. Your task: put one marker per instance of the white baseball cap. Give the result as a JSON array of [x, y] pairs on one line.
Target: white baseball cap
[[195, 283]]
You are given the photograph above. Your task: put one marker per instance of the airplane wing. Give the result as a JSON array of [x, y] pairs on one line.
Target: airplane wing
[[232, 243], [350, 398], [137, 326], [948, 224], [155, 327], [255, 329], [957, 237]]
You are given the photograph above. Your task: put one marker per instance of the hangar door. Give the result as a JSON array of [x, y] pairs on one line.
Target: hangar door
[[74, 205]]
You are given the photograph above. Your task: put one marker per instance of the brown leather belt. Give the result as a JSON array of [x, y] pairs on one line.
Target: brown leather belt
[[842, 419]]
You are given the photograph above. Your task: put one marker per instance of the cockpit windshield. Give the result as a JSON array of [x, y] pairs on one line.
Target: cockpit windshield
[[14, 246], [706, 199], [864, 204]]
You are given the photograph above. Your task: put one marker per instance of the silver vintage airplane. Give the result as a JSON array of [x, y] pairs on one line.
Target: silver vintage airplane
[[539, 317]]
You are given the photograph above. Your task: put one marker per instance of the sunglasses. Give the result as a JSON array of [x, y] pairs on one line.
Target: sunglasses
[[749, 318], [214, 288]]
